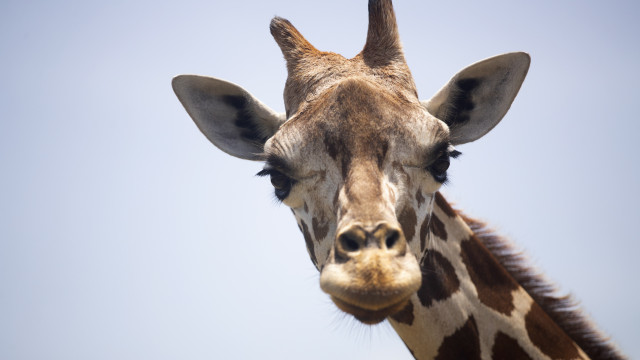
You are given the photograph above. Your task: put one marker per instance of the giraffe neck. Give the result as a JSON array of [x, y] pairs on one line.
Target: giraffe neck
[[469, 305]]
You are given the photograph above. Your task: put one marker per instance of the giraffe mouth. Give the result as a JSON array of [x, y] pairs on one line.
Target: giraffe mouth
[[368, 316], [372, 286]]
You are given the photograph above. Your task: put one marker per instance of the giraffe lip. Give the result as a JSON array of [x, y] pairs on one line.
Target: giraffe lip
[[368, 316]]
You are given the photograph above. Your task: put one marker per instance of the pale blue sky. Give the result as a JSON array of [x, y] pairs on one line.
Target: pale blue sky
[[125, 235]]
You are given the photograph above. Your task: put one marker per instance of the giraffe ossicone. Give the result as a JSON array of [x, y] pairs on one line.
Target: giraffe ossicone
[[359, 159]]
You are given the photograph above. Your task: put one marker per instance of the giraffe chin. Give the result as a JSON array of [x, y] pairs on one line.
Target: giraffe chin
[[367, 316]]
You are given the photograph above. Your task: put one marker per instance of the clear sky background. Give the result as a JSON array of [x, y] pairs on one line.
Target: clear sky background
[[124, 234]]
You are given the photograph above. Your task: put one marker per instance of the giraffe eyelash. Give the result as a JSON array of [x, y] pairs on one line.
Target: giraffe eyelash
[[453, 153], [265, 172], [438, 168], [282, 183]]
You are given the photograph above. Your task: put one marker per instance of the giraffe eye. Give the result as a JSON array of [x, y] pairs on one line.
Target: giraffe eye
[[439, 168], [281, 182]]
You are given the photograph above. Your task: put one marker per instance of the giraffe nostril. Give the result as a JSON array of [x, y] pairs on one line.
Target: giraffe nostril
[[392, 238], [382, 237], [349, 243]]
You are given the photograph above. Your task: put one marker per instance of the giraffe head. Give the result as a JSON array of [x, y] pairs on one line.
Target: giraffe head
[[357, 157]]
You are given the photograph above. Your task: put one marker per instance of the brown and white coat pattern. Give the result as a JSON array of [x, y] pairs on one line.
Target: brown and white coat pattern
[[360, 159]]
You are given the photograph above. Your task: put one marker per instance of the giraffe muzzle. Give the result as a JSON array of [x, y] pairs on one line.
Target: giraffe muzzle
[[371, 274]]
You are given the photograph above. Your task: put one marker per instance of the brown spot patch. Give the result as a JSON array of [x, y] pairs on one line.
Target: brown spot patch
[[332, 147], [381, 153], [547, 336], [336, 148], [408, 221], [309, 242], [493, 282], [463, 344], [442, 203], [419, 197], [306, 207], [405, 315], [507, 348], [439, 280], [319, 231], [437, 227], [424, 232]]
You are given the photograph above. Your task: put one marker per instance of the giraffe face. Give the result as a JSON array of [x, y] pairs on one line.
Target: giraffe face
[[357, 156], [357, 167]]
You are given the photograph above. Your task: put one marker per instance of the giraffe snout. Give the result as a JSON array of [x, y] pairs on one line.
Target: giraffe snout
[[371, 274]]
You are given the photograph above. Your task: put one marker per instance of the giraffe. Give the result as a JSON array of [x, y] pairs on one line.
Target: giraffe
[[360, 161]]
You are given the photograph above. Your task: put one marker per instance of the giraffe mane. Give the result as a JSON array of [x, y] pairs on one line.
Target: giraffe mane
[[563, 309]]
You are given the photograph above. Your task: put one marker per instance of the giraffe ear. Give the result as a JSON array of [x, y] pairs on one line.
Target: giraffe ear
[[229, 116], [478, 97]]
